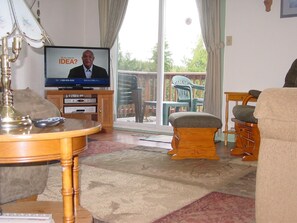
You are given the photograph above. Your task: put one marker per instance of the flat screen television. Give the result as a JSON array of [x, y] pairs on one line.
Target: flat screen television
[[59, 60]]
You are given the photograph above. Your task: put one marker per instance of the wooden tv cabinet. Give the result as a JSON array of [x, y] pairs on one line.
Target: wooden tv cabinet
[[96, 105]]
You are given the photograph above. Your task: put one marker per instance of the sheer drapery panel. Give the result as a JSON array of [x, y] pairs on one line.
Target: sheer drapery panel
[[111, 16], [209, 14]]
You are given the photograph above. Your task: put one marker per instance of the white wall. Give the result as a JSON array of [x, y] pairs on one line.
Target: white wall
[[264, 45]]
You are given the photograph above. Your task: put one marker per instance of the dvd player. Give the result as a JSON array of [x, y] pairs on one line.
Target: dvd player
[[79, 109], [80, 100]]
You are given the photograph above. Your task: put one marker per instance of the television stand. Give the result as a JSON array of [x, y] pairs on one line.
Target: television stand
[[96, 105]]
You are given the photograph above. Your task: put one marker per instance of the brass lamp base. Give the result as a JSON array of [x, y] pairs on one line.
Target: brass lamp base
[[10, 118]]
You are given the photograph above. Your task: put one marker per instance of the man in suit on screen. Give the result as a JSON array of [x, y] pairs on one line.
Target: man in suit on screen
[[87, 69]]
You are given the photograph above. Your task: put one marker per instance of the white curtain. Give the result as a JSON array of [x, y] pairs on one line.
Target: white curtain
[[209, 13], [111, 16]]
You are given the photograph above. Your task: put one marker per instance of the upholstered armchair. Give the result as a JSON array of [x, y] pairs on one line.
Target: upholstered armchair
[[247, 140], [21, 181], [276, 180]]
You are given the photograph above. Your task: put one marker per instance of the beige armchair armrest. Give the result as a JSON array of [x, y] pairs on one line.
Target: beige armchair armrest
[[278, 104]]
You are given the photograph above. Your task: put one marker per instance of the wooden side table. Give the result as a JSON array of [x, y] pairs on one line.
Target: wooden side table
[[62, 142], [231, 96]]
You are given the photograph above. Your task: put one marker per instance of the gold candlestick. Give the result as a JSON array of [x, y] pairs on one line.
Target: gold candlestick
[[10, 118]]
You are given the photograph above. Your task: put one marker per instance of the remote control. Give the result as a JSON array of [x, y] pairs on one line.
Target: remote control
[[42, 123]]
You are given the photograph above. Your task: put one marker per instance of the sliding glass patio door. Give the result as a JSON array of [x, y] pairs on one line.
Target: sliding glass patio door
[[156, 42]]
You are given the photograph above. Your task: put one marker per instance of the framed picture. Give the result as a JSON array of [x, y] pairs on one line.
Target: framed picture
[[288, 8]]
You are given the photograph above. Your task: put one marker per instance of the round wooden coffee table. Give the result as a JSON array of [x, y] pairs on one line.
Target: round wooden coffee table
[[62, 142]]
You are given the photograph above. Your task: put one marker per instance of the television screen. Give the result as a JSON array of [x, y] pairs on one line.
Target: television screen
[[76, 67]]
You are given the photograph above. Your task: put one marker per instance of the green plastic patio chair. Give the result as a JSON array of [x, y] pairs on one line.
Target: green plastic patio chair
[[185, 87]]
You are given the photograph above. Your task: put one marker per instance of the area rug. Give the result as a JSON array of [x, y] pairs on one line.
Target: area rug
[[214, 208], [122, 184], [203, 173], [117, 197], [99, 147]]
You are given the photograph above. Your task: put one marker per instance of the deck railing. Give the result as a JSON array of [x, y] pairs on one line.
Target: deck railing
[[148, 82]]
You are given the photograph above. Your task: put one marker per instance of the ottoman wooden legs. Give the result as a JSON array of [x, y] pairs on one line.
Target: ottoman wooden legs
[[193, 143]]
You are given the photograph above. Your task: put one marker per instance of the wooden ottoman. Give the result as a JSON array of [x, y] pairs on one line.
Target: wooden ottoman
[[193, 136]]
